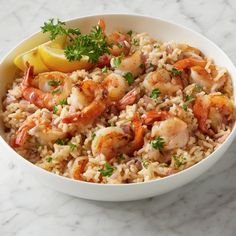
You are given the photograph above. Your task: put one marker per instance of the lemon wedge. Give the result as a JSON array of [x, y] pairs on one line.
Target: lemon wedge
[[33, 56], [54, 58]]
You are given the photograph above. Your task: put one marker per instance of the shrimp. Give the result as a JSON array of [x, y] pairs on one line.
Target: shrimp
[[94, 109], [128, 99], [188, 63], [162, 80], [116, 85], [216, 108], [46, 95], [209, 81], [138, 140], [78, 168], [151, 116], [109, 142], [43, 131], [189, 51], [112, 141], [120, 43], [132, 64], [173, 130]]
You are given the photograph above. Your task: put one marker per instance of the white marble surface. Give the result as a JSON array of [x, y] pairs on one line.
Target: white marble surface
[[205, 207]]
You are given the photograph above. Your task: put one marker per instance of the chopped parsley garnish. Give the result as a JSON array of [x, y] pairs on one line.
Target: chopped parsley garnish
[[142, 66], [136, 42], [120, 158], [119, 45], [49, 159], [157, 46], [92, 45], [188, 99], [54, 82], [176, 72], [129, 77], [63, 102], [61, 141], [107, 170], [104, 69], [145, 163], [72, 146], [198, 88], [179, 161], [155, 93], [55, 109], [158, 143], [130, 32], [117, 60], [56, 91], [93, 136], [185, 107]]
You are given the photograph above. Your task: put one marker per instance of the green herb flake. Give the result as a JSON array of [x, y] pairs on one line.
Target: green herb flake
[[55, 109], [198, 88], [107, 170], [176, 72], [135, 42], [189, 98], [49, 159], [104, 69], [61, 141], [117, 61], [72, 146], [93, 136], [54, 83], [156, 46], [158, 143], [142, 66], [155, 93], [63, 102], [120, 158], [129, 77], [119, 45], [145, 163], [179, 161], [57, 91], [185, 107], [130, 32]]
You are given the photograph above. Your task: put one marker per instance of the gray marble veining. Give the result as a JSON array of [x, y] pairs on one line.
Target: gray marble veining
[[205, 207]]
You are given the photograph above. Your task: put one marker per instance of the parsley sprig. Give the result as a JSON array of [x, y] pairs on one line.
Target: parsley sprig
[[92, 45]]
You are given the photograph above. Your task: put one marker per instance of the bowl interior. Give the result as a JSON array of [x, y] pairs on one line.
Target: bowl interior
[[157, 28]]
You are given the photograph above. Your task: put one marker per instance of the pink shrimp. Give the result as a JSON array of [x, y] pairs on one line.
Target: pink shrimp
[[128, 99], [52, 95]]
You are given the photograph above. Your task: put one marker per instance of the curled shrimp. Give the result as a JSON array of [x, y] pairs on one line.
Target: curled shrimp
[[151, 116], [112, 141], [120, 43], [132, 64], [45, 95], [129, 99], [210, 81], [78, 168], [116, 86], [216, 108], [161, 79], [94, 109], [109, 141], [45, 132], [173, 130], [138, 140]]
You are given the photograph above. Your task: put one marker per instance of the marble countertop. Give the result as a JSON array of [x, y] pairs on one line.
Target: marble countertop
[[206, 206]]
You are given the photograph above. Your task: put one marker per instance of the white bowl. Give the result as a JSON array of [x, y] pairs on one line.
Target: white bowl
[[166, 31]]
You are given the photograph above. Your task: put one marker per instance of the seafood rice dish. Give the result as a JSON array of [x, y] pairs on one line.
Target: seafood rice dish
[[119, 107]]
